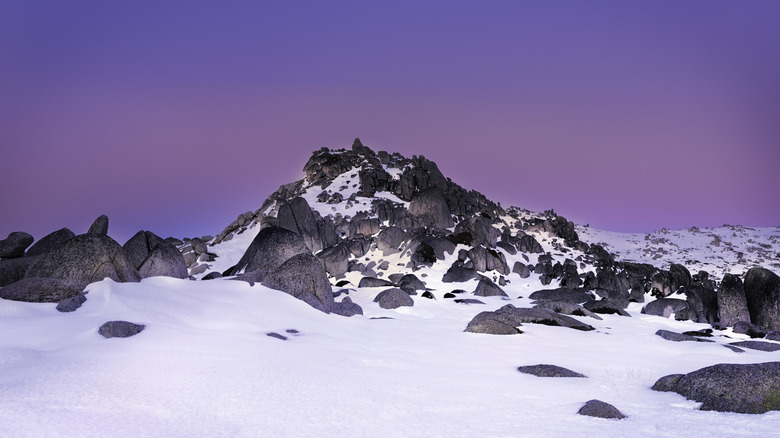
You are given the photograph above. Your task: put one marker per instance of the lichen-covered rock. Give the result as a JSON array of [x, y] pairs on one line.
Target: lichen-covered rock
[[762, 292], [732, 303], [14, 245], [600, 409], [393, 298], [430, 206], [742, 388], [50, 241], [99, 226], [486, 288], [120, 329], [546, 370], [42, 290], [154, 256], [303, 277], [85, 258], [270, 248]]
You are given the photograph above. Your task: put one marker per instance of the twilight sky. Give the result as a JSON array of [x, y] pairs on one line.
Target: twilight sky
[[177, 116]]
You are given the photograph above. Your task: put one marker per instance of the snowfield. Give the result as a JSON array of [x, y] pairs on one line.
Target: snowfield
[[205, 366]]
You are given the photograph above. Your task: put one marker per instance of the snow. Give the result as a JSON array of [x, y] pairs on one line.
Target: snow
[[204, 366]]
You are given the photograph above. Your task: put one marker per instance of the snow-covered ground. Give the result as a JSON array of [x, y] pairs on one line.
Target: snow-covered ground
[[204, 366]]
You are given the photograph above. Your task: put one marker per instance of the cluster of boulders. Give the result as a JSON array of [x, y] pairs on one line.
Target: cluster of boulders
[[59, 266], [279, 259]]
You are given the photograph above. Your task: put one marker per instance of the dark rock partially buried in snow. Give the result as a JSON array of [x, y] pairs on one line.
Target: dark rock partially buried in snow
[[600, 409], [667, 307], [71, 304], [577, 296], [120, 329], [486, 288], [270, 248], [303, 277], [346, 308], [458, 273], [154, 256], [741, 388], [505, 320], [393, 298], [545, 370], [14, 245], [86, 258], [374, 282], [762, 291], [732, 304], [757, 345], [679, 337], [42, 290], [567, 308]]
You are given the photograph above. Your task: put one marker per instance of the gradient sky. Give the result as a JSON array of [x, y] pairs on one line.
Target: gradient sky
[[177, 116]]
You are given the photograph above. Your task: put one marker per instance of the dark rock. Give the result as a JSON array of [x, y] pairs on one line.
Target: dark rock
[[100, 226], [481, 230], [468, 301], [486, 288], [576, 296], [662, 283], [336, 259], [752, 330], [666, 307], [732, 303], [42, 290], [458, 274], [374, 282], [703, 303], [679, 337], [303, 277], [430, 206], [71, 304], [508, 247], [741, 388], [679, 276], [758, 345], [14, 245], [499, 322], [393, 298], [428, 294], [153, 256], [199, 246], [276, 336], [567, 308], [521, 270], [600, 409], [212, 276], [486, 259], [50, 242], [616, 284], [605, 307], [86, 258], [13, 270], [544, 370], [601, 256], [390, 240], [411, 281], [270, 248], [762, 292], [528, 244], [346, 308], [120, 329], [506, 320]]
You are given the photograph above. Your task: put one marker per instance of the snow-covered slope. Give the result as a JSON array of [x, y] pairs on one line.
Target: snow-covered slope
[[223, 358]]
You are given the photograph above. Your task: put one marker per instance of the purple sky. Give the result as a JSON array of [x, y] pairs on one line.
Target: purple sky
[[175, 118]]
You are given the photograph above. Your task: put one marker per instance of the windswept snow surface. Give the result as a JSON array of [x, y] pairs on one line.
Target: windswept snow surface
[[204, 366]]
